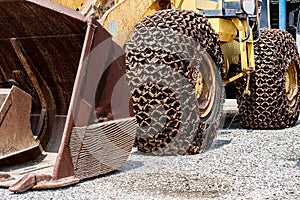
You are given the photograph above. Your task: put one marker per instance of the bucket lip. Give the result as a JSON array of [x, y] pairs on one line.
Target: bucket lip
[[35, 145], [55, 7]]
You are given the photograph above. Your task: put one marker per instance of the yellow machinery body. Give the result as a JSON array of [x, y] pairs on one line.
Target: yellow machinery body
[[73, 4], [123, 15]]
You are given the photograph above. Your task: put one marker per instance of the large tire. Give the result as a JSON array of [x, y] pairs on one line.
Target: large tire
[[274, 85], [165, 54]]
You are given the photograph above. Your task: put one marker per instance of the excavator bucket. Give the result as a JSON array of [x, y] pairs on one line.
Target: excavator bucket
[[65, 112]]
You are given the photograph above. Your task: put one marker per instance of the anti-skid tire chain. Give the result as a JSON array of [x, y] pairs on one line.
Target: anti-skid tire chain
[[266, 107], [162, 58]]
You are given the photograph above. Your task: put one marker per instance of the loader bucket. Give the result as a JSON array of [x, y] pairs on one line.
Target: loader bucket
[[65, 113]]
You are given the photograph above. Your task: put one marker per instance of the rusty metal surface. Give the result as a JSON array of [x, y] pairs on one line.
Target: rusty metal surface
[[37, 18], [71, 67], [101, 148], [15, 130], [100, 72], [40, 48]]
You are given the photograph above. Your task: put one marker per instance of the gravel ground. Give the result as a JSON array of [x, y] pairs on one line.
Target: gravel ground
[[242, 164]]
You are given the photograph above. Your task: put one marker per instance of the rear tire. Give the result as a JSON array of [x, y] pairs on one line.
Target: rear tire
[[273, 102], [165, 54]]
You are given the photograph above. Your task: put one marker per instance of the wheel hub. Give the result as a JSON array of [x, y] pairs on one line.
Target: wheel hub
[[291, 84], [205, 91]]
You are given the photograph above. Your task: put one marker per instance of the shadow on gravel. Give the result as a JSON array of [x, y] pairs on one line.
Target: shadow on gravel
[[219, 143], [216, 145], [130, 165], [139, 153], [127, 166], [232, 122], [298, 163]]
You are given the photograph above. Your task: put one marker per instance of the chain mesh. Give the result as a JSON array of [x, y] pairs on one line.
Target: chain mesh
[[163, 58], [266, 107]]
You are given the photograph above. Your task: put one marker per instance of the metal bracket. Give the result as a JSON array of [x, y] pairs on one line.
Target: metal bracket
[[234, 78]]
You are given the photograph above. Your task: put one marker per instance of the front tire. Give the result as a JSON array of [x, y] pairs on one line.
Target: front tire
[[169, 53]]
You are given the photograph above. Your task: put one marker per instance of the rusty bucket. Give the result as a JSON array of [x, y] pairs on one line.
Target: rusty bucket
[[64, 103]]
